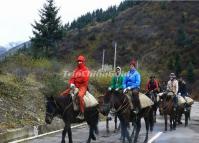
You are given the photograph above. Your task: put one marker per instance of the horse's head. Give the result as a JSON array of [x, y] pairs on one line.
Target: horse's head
[[50, 109]]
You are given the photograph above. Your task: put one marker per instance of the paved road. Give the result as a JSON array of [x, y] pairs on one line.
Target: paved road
[[181, 135]]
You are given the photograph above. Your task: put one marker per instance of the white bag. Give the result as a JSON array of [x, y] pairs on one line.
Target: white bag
[[189, 100], [145, 101], [181, 100]]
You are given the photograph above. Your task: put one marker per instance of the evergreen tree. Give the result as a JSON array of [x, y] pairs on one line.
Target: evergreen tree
[[170, 64], [48, 31], [177, 65], [190, 72]]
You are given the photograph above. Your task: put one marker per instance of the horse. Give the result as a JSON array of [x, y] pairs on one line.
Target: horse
[[183, 109], [106, 110], [167, 108], [153, 96], [121, 103], [62, 106]]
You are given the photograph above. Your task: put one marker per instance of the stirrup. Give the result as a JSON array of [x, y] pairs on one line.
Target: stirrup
[[135, 111], [80, 116]]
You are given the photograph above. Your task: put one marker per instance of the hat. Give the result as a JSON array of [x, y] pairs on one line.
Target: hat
[[118, 68], [133, 62], [172, 75], [81, 58]]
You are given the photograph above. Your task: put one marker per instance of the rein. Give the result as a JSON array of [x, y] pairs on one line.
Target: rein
[[57, 107], [121, 107]]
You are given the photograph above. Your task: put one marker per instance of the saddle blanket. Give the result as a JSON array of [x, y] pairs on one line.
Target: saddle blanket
[[145, 101], [89, 99]]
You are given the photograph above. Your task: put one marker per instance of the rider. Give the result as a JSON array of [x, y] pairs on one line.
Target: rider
[[183, 89], [132, 82], [79, 80], [172, 85], [152, 86], [117, 80]]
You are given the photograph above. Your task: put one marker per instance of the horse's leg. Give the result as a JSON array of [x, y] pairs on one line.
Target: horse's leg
[[186, 118], [165, 121], [171, 122], [107, 124], [122, 131], [127, 133], [138, 122], [174, 121], [146, 119], [64, 133], [151, 120], [90, 134], [70, 134], [115, 123], [134, 128]]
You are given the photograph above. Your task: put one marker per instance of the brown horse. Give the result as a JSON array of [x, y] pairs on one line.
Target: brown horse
[[120, 102], [167, 108], [62, 106]]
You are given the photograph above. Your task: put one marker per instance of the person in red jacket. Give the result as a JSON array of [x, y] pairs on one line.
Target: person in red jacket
[[152, 84], [152, 88], [79, 80]]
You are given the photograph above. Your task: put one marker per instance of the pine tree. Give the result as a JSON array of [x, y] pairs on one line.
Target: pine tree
[[177, 65], [190, 72], [48, 31]]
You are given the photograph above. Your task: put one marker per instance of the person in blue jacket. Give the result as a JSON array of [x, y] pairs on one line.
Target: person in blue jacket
[[132, 82]]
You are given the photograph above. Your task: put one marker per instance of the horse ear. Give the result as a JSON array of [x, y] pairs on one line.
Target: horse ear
[[49, 97]]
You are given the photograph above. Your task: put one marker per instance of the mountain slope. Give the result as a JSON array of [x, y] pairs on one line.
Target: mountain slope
[[153, 32], [2, 50]]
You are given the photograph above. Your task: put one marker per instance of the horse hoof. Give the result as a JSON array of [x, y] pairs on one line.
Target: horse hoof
[[93, 138]]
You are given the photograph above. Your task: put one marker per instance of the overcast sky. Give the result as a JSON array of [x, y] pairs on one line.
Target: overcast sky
[[16, 16]]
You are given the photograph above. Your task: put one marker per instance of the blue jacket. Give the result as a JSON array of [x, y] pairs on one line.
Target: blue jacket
[[132, 79]]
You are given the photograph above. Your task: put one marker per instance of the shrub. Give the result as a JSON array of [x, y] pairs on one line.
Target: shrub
[[54, 85]]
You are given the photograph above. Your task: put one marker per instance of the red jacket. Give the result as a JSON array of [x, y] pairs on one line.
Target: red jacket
[[152, 85], [80, 76]]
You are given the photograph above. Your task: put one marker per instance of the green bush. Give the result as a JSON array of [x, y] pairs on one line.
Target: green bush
[[54, 85], [101, 82]]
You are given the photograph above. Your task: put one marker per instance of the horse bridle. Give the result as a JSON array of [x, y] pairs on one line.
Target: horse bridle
[[57, 107]]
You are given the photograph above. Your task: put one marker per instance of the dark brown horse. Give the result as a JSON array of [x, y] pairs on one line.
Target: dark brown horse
[[105, 110], [153, 96], [62, 106], [167, 108], [120, 102], [183, 109]]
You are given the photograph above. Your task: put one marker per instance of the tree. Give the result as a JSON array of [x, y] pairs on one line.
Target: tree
[[48, 31], [177, 65], [190, 72]]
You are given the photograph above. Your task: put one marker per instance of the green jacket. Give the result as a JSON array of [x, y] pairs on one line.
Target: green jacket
[[117, 82]]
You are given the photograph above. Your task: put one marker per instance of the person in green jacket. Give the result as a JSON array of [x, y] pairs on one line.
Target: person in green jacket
[[117, 80]]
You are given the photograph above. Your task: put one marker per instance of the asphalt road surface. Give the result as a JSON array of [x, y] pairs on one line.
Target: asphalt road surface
[[189, 134]]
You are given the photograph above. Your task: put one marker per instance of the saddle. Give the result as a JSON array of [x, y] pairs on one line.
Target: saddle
[[89, 99]]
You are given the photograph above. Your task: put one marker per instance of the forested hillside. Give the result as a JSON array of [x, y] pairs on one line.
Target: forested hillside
[[163, 36]]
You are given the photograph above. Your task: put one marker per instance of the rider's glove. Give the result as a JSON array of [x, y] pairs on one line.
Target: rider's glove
[[117, 89], [125, 90], [128, 88], [72, 86]]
